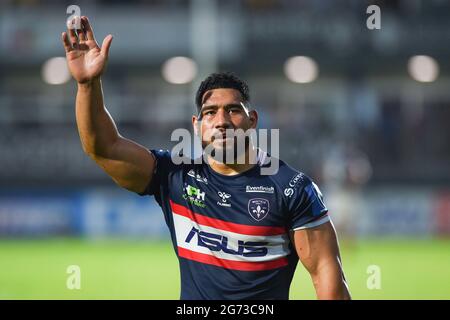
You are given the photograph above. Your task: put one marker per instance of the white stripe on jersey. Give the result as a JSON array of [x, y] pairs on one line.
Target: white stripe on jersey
[[315, 223], [277, 247]]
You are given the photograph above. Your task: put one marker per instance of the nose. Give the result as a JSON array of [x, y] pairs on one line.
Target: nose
[[222, 119]]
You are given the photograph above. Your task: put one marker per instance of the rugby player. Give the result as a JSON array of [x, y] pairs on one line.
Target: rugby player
[[238, 234]]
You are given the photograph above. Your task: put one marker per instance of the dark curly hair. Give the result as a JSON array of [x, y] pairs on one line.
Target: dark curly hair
[[221, 80]]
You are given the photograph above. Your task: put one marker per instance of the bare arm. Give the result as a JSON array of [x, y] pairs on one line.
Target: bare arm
[[318, 251], [129, 164]]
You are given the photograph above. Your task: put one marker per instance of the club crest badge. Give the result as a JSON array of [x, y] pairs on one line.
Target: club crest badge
[[258, 208]]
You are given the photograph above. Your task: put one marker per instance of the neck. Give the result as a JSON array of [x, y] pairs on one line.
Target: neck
[[241, 164]]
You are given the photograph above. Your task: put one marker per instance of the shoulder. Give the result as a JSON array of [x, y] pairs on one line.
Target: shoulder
[[170, 161], [167, 155], [288, 179]]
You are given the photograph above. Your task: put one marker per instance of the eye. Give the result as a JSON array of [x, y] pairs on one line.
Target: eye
[[235, 110], [209, 113]]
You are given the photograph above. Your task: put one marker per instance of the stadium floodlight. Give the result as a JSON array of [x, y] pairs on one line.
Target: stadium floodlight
[[423, 68], [55, 71], [179, 70], [301, 69]]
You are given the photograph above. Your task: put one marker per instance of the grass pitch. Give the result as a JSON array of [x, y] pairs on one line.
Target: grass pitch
[[124, 269]]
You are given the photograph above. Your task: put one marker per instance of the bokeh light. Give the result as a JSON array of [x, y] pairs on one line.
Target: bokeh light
[[179, 70], [301, 69], [55, 71], [423, 68]]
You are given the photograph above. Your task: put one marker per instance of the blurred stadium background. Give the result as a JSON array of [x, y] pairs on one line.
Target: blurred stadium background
[[364, 112]]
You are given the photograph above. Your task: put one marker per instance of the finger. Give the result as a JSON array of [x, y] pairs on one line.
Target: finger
[[81, 34], [87, 28], [79, 29], [106, 45], [71, 31], [66, 42]]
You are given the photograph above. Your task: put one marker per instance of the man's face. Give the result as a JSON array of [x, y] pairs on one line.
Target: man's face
[[222, 109]]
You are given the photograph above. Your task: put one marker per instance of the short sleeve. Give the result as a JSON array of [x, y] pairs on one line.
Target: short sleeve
[[305, 202], [159, 181]]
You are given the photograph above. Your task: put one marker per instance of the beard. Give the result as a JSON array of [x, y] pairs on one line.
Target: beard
[[227, 150]]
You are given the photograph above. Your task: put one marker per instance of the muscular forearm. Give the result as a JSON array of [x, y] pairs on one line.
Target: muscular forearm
[[330, 283], [97, 130]]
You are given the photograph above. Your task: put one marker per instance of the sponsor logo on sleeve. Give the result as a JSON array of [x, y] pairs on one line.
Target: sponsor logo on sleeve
[[288, 192]]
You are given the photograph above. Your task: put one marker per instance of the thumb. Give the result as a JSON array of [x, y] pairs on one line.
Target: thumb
[[106, 45]]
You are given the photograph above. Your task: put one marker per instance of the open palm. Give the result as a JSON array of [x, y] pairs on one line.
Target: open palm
[[86, 60]]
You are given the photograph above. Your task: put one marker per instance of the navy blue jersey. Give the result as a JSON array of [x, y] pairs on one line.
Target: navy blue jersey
[[231, 233]]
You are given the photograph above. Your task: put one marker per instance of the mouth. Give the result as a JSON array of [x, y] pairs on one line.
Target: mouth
[[227, 141], [223, 140], [222, 136]]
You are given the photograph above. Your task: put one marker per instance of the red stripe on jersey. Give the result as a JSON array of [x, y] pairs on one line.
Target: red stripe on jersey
[[231, 264], [225, 225]]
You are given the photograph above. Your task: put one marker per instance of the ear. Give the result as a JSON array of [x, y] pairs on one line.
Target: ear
[[253, 115], [195, 124]]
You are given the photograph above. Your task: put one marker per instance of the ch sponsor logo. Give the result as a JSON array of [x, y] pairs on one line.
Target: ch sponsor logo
[[224, 199], [194, 196], [260, 189], [258, 208], [295, 180], [288, 192], [197, 177]]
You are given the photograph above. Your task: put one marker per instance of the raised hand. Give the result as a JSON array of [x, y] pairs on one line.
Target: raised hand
[[86, 60]]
